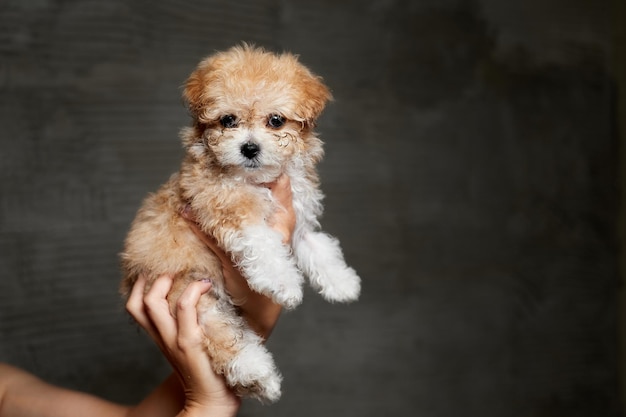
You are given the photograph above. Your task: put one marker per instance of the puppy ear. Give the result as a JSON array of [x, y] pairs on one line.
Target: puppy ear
[[315, 95], [194, 93]]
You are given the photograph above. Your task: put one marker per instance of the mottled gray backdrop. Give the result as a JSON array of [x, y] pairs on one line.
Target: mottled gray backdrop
[[471, 175]]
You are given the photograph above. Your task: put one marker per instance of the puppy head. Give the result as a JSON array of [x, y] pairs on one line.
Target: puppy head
[[254, 111]]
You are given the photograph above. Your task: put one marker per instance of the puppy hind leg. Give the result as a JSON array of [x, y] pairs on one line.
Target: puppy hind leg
[[238, 353], [253, 371], [320, 257]]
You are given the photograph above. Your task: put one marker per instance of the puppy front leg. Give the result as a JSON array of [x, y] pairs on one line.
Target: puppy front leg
[[267, 264], [320, 257]]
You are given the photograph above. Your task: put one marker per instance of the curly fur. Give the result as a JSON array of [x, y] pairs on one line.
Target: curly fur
[[222, 185]]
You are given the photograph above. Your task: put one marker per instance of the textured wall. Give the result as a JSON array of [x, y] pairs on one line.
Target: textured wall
[[470, 175]]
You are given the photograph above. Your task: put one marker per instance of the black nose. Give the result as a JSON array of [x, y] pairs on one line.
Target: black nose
[[250, 150]]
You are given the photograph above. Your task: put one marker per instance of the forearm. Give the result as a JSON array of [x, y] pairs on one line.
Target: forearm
[[209, 412], [167, 400], [261, 313], [24, 395]]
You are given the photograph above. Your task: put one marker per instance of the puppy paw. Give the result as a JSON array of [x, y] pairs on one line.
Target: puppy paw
[[282, 284], [288, 294], [253, 373], [269, 388], [344, 287]]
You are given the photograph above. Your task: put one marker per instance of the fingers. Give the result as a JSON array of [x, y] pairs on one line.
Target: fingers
[[158, 310], [134, 304], [284, 219], [281, 190], [151, 310], [186, 311]]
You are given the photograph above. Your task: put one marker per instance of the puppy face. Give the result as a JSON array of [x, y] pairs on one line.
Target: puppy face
[[253, 112]]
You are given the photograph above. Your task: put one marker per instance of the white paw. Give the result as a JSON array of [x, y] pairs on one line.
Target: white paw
[[288, 294], [345, 286], [282, 285], [253, 373], [269, 388]]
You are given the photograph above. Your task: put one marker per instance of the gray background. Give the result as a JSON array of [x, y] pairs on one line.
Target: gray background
[[471, 175]]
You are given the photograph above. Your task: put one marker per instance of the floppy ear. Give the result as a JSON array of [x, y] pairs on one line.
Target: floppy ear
[[315, 95], [192, 93], [195, 94]]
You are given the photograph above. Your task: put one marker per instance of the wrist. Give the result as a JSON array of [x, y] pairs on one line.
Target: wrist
[[261, 313], [218, 405], [229, 410]]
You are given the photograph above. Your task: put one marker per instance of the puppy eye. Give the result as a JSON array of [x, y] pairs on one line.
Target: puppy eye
[[229, 121], [276, 121]]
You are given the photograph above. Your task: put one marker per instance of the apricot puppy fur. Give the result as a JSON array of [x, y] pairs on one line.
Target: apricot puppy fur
[[253, 117]]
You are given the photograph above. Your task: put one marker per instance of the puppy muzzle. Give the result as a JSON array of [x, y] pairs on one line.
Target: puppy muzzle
[[250, 150]]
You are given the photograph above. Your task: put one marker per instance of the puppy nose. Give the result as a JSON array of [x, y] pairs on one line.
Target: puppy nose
[[250, 150]]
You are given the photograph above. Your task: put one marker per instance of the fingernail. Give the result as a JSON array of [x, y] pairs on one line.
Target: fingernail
[[207, 280]]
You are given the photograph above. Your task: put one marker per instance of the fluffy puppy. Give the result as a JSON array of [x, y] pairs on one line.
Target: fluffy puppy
[[253, 118]]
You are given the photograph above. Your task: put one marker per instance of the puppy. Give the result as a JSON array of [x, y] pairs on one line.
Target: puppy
[[253, 118]]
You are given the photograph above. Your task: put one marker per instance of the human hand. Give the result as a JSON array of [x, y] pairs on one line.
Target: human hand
[[284, 219], [180, 338], [260, 312]]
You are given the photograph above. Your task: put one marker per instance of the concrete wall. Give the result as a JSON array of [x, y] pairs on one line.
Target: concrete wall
[[471, 175]]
